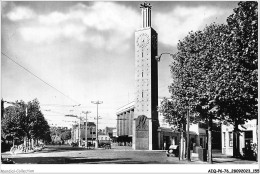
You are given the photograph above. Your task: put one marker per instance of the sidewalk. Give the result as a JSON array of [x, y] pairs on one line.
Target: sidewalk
[[219, 158]]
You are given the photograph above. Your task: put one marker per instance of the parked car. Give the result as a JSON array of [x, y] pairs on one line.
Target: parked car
[[173, 151]]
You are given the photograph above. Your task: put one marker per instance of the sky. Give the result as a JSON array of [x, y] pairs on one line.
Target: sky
[[84, 51]]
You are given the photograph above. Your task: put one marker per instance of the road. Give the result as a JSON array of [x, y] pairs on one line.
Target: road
[[115, 155], [72, 155]]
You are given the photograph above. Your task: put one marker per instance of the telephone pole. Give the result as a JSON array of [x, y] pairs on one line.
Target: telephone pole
[[97, 103], [86, 128]]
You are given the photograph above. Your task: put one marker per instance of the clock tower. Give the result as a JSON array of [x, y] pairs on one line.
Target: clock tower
[[145, 122]]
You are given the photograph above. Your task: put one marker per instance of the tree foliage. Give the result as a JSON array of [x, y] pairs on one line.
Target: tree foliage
[[19, 123], [173, 114], [196, 68], [12, 122], [240, 90], [66, 135], [215, 71]]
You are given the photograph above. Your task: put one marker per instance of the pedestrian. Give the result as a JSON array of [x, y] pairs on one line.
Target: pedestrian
[[164, 146]]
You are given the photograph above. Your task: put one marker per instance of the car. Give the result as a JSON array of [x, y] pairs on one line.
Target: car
[[173, 151]]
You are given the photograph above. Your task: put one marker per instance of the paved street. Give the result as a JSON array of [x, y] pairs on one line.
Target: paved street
[[116, 155], [66, 155]]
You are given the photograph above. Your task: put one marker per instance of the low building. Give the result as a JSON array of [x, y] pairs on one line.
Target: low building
[[248, 135], [109, 131], [91, 130]]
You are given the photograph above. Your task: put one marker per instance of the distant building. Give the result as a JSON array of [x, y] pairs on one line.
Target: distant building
[[125, 116], [56, 131], [115, 132], [91, 132], [109, 131], [104, 138]]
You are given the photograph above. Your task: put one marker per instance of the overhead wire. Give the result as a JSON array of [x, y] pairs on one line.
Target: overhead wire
[[39, 78]]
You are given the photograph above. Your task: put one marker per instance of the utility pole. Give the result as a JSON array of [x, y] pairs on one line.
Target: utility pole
[[79, 133], [25, 138], [86, 128], [97, 103]]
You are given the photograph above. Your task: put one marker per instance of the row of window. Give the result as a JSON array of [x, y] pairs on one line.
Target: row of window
[[248, 135], [105, 138]]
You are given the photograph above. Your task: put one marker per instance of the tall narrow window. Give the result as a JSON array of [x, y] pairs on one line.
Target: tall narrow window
[[142, 54], [142, 94], [142, 74], [224, 139], [230, 139]]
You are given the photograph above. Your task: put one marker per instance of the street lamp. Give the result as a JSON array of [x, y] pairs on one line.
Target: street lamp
[[97, 103], [158, 58]]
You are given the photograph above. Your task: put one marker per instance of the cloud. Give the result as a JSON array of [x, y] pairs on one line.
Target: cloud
[[102, 25], [20, 13], [175, 25]]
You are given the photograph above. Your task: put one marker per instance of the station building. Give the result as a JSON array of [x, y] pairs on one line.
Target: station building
[[165, 134]]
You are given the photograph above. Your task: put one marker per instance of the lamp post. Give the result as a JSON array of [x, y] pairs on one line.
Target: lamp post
[[97, 103], [158, 58]]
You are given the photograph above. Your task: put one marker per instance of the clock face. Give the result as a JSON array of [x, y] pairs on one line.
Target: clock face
[[143, 40], [154, 41]]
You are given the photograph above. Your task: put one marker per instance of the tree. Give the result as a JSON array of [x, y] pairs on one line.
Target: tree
[[195, 69], [239, 97], [36, 122], [174, 114], [25, 120], [215, 70], [2, 108], [66, 135], [11, 123]]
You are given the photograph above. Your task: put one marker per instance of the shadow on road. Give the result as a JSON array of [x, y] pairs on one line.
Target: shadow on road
[[75, 160], [50, 149]]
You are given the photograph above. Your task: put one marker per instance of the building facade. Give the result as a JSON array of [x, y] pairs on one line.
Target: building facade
[[145, 121], [80, 134], [166, 136], [125, 119], [248, 135]]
